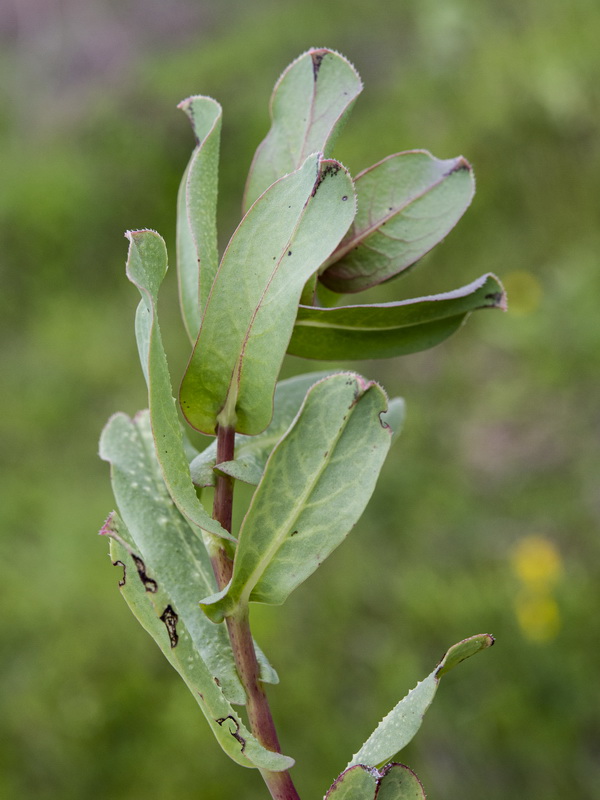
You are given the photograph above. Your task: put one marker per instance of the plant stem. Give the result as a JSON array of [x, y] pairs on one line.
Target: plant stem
[[260, 718]]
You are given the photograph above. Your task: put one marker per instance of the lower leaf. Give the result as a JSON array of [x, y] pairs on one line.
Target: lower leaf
[[397, 729], [152, 607], [360, 782]]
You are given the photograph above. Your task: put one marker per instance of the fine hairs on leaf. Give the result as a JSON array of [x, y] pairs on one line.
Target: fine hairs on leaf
[[311, 447]]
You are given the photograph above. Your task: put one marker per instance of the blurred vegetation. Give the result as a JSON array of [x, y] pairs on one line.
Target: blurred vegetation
[[487, 517]]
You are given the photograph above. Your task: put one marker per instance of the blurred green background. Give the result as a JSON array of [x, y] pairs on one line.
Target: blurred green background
[[486, 518]]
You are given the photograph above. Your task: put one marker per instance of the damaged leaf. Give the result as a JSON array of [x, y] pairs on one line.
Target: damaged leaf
[[165, 624], [172, 554]]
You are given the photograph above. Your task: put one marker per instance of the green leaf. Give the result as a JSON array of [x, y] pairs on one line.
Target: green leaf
[[249, 316], [153, 607], [309, 105], [146, 268], [407, 203], [316, 484], [197, 253], [398, 782], [397, 729], [360, 782], [170, 549], [386, 330], [251, 452], [355, 783]]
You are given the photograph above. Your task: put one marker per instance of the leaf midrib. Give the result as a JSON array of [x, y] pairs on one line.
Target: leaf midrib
[[358, 238], [297, 509]]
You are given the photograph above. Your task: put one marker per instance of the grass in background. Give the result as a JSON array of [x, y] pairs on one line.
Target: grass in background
[[502, 435]]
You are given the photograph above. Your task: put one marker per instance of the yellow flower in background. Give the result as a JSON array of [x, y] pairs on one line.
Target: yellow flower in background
[[537, 564]]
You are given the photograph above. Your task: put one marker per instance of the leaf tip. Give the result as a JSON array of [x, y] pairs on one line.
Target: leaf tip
[[463, 650], [107, 528], [460, 164]]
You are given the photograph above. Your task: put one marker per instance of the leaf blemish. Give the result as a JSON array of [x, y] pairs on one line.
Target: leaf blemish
[[331, 169], [150, 585], [236, 732], [497, 298], [462, 165], [317, 58], [124, 578], [169, 617]]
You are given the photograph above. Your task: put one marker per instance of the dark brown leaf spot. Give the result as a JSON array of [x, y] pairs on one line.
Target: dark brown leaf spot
[[124, 578], [149, 584], [461, 165], [317, 58], [332, 168], [496, 299], [169, 617], [236, 732]]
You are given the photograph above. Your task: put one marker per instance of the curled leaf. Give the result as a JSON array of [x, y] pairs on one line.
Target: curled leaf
[[197, 253], [407, 203], [146, 268], [386, 330]]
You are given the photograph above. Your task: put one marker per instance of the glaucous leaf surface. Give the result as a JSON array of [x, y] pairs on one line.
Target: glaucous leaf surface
[[309, 105], [397, 729], [355, 783], [386, 330], [248, 319], [197, 252], [407, 203], [398, 782], [146, 268], [151, 604], [316, 484], [393, 782], [251, 452], [173, 553]]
